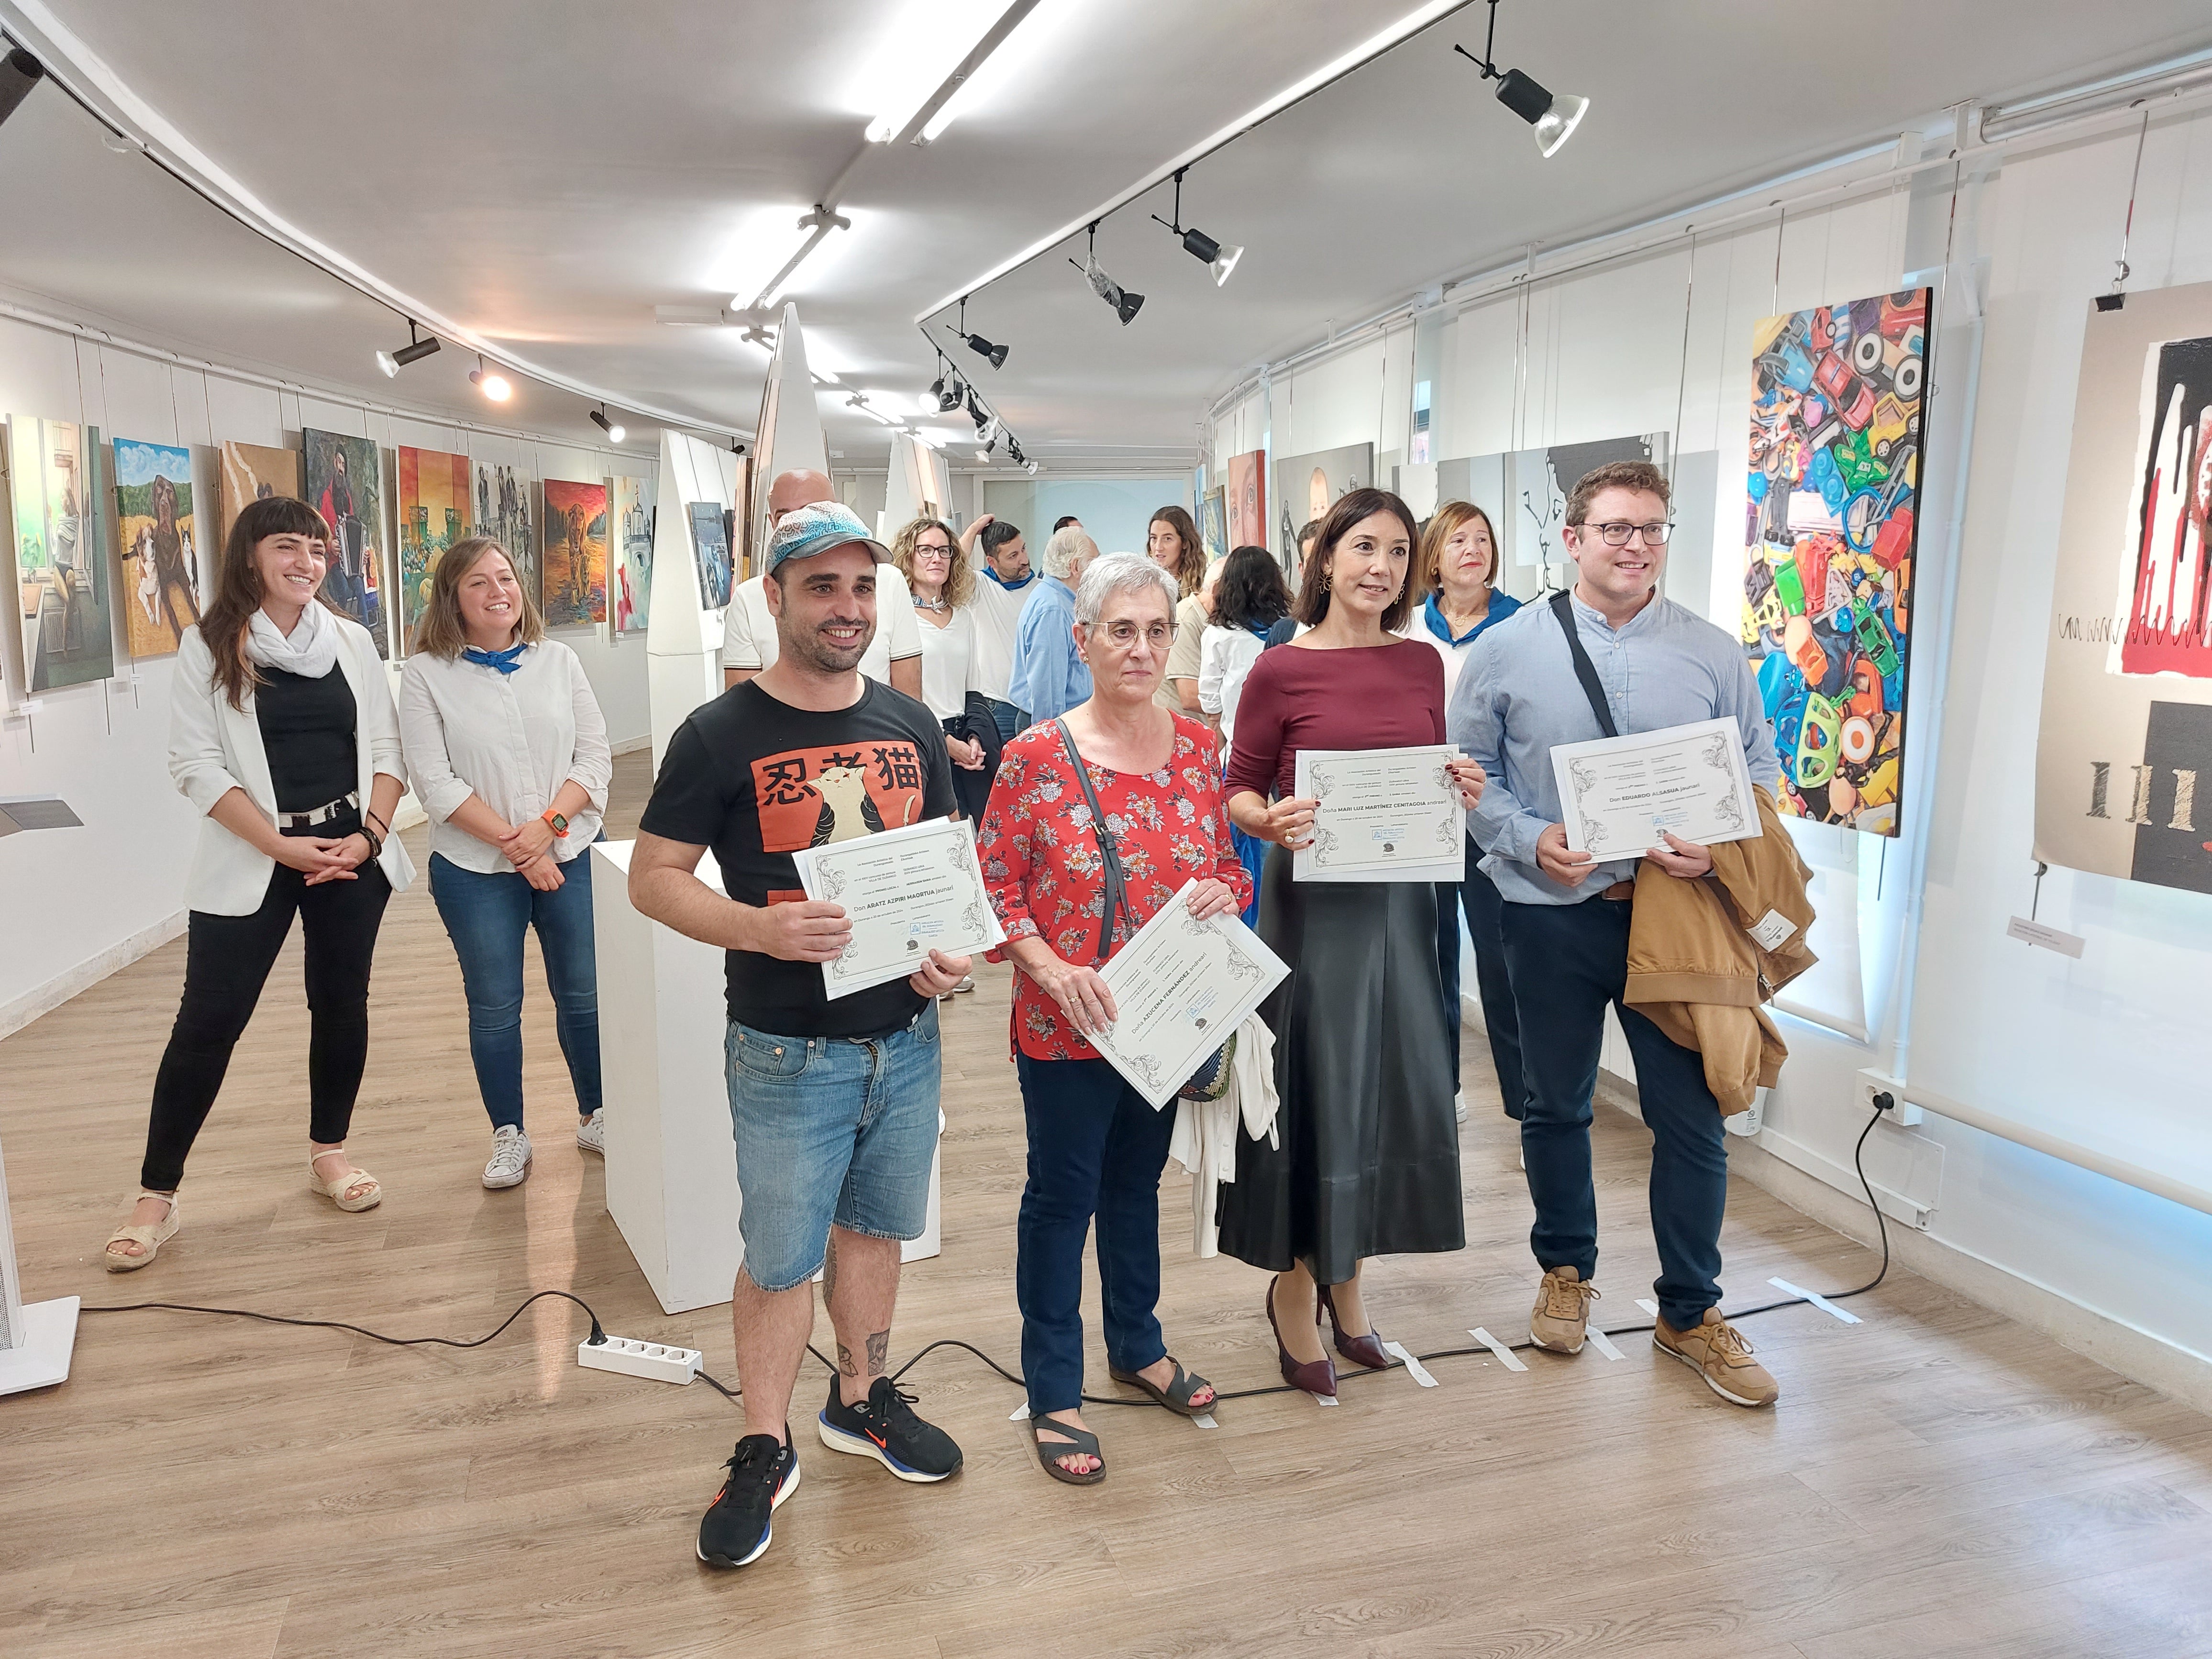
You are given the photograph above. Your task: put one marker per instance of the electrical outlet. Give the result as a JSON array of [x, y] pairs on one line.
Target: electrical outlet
[[1904, 1114], [662, 1362]]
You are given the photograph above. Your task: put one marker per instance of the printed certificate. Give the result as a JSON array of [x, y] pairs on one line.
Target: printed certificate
[[1617, 794], [1385, 815], [906, 892], [1180, 989]]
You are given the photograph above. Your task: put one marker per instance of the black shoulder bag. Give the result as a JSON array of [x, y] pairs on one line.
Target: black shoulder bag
[[1563, 607]]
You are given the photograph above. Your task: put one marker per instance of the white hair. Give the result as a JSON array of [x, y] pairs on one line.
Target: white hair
[[1121, 573], [1065, 553]]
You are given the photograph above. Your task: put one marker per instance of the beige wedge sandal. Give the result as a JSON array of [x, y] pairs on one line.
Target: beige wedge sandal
[[148, 1240], [336, 1190]]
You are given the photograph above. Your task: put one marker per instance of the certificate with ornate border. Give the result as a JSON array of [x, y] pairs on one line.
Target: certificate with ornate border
[[1385, 815], [906, 892], [1617, 794], [1179, 988]]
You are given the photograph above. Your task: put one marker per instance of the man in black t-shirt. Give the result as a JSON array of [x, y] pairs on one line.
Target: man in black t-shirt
[[833, 1104]]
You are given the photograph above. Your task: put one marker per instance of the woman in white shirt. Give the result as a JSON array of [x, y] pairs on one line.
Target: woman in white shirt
[[509, 755], [1250, 597], [281, 733], [943, 585]]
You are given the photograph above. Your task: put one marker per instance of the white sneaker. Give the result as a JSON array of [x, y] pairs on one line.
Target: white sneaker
[[510, 1157], [966, 984], [1459, 1106], [592, 1132]]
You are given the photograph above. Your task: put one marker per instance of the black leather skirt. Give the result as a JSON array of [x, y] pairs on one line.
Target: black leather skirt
[[1368, 1159]]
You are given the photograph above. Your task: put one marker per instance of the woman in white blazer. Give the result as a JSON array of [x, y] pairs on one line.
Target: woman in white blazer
[[508, 751], [283, 732]]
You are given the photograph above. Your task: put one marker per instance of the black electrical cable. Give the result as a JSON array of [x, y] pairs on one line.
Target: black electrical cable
[[598, 1334]]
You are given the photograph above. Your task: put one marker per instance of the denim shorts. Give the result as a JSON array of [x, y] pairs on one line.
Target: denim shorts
[[839, 1129]]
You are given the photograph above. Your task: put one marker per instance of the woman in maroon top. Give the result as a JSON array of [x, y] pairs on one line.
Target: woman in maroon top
[[1368, 1162], [1095, 1146]]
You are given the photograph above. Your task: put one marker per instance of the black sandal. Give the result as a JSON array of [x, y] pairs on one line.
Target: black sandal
[[1081, 1443], [1176, 1395]]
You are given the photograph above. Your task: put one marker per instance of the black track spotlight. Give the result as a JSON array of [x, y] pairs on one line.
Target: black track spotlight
[[952, 396], [1218, 258], [983, 348], [1126, 305], [414, 351], [1554, 117], [614, 430], [19, 73]]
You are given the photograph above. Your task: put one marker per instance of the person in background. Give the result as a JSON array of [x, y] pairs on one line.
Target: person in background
[[1049, 677], [1459, 575], [282, 736], [1065, 520], [508, 751], [996, 552], [1095, 1147], [1250, 597], [1172, 541], [1368, 1162], [749, 635], [943, 586], [1290, 626], [1564, 919]]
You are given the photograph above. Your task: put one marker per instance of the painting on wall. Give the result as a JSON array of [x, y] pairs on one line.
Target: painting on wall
[[1248, 499], [155, 529], [433, 513], [1537, 484], [574, 553], [2126, 745], [1213, 524], [1306, 486], [502, 512], [1831, 525], [61, 570], [248, 472], [632, 586], [710, 546], [345, 484]]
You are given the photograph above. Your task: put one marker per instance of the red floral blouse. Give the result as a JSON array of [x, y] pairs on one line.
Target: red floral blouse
[[1047, 879]]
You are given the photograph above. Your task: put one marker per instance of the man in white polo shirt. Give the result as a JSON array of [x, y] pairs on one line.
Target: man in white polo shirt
[[748, 637], [1004, 585]]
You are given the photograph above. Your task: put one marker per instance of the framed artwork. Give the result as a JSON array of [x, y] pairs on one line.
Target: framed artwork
[[61, 570], [502, 512], [345, 484], [1248, 499], [1306, 486], [433, 513], [631, 588], [1537, 484], [155, 529], [247, 472], [710, 546], [574, 550], [1213, 524], [1831, 525]]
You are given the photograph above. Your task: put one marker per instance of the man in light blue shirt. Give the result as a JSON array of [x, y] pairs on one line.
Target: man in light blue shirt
[[1048, 678], [1565, 917]]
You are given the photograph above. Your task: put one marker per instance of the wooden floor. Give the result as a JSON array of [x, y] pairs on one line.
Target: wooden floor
[[1935, 1480]]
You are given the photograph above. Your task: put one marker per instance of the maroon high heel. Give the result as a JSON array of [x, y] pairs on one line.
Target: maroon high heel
[[1366, 1350], [1315, 1376]]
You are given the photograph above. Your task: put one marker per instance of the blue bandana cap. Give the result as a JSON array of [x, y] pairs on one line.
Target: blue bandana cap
[[816, 528]]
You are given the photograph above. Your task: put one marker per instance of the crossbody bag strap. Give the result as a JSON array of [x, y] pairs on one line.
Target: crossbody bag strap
[[1117, 892], [1563, 607]]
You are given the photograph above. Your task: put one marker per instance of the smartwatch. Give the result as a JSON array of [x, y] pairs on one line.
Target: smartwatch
[[560, 825]]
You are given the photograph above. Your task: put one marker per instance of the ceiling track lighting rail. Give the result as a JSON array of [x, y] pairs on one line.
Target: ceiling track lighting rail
[[1555, 118]]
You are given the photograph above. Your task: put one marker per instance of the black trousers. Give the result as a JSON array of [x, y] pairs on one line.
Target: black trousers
[[227, 961]]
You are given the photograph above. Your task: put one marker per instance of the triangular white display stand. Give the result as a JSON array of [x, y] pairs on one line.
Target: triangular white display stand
[[35, 1340], [919, 483], [790, 424], [682, 634]]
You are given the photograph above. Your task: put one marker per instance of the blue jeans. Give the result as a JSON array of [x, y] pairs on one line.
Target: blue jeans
[[1567, 962], [1011, 720], [1096, 1149], [830, 1129], [1478, 894], [486, 917]]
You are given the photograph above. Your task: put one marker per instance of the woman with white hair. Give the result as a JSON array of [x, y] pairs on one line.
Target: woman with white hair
[[1050, 860], [1048, 677]]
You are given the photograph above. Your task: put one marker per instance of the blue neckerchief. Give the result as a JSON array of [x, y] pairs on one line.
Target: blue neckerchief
[[1011, 588], [1441, 628], [505, 661], [1259, 631]]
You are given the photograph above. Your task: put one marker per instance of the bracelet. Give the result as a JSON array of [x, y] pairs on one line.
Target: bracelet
[[368, 814], [375, 846]]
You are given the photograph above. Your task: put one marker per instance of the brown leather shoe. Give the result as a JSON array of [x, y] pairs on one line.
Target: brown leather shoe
[[1721, 1354], [1561, 1317]]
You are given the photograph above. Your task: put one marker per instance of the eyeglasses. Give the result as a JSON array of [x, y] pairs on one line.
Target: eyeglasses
[[932, 547], [1619, 535], [1121, 636]]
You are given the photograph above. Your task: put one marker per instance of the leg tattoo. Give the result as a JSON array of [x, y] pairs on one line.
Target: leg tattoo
[[879, 1348], [829, 1272], [845, 1360]]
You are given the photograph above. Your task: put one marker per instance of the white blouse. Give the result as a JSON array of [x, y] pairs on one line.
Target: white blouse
[[511, 740], [1226, 655], [948, 662]]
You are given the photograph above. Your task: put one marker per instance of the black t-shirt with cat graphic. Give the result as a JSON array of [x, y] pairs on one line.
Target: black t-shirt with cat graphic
[[756, 779]]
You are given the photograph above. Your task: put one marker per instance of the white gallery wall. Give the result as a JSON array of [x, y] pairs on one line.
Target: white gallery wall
[[2110, 1050], [77, 903]]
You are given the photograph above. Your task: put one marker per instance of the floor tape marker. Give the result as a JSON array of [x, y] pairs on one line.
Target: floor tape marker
[[1603, 1344], [1414, 1368], [1020, 1412], [1817, 1300], [1204, 1420], [1321, 1398], [1506, 1357], [1648, 1305]]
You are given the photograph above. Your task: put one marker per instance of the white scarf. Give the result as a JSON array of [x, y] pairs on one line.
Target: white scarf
[[308, 651]]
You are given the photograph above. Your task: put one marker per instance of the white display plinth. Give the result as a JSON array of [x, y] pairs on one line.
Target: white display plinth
[[49, 1333], [671, 1170]]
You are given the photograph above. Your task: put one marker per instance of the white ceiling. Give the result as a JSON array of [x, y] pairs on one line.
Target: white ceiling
[[545, 171]]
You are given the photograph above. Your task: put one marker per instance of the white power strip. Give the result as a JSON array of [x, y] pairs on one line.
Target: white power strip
[[658, 1361]]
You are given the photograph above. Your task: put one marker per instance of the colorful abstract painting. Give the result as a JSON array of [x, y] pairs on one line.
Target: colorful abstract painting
[[1831, 518], [710, 546], [345, 484], [154, 528], [433, 514], [576, 553], [61, 571], [1248, 499], [502, 512], [248, 472], [632, 587]]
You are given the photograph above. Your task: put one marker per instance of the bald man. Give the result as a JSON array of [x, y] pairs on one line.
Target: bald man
[[749, 636]]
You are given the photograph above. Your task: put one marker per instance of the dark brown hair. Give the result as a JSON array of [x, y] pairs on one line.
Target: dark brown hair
[[1190, 560], [1618, 475], [1313, 581], [442, 633], [1439, 530], [238, 592], [1251, 593]]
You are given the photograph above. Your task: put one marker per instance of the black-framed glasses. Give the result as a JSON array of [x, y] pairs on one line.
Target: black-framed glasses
[[934, 547], [1619, 534]]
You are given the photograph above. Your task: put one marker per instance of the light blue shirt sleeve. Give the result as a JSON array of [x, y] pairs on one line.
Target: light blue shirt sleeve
[[1476, 722]]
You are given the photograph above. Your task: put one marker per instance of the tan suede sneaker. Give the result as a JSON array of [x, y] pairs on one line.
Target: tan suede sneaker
[[1721, 1354], [1561, 1317]]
